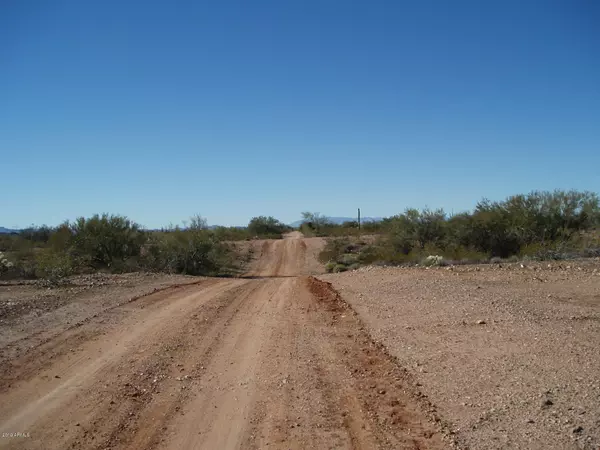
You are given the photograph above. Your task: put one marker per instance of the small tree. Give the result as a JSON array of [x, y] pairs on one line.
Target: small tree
[[315, 220], [266, 226], [106, 240], [195, 250], [197, 222]]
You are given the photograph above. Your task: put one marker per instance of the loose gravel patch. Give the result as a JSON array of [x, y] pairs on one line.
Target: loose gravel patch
[[510, 354]]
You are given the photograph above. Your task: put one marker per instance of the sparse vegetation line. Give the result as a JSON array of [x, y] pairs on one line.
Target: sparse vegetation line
[[539, 225]]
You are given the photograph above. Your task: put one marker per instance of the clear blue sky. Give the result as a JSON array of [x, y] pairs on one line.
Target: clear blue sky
[[159, 110]]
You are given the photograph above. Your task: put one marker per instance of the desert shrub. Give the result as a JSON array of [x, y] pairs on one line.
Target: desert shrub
[[267, 227], [370, 254], [37, 234], [316, 224], [433, 260], [371, 227], [497, 229], [350, 224], [340, 268], [192, 251], [106, 241], [231, 233], [117, 244], [558, 250], [5, 264], [459, 253], [315, 220], [24, 261], [591, 252], [53, 265], [306, 230], [351, 253], [330, 266], [347, 259], [333, 249]]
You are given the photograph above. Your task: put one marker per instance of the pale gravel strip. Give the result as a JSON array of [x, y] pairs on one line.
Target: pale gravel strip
[[529, 377]]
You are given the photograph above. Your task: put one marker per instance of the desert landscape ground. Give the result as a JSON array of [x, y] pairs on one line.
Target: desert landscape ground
[[483, 357]]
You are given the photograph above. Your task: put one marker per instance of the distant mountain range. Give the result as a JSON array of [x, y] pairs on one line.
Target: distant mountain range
[[7, 230], [341, 220]]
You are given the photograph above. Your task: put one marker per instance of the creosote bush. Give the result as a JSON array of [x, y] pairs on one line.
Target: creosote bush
[[539, 225], [106, 241], [267, 227], [114, 243]]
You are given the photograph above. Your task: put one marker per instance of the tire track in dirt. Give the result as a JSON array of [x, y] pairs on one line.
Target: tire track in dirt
[[22, 366], [96, 367], [281, 258], [180, 375], [327, 385], [218, 417]]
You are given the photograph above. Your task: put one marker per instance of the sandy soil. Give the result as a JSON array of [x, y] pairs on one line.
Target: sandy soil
[[292, 256], [509, 355], [272, 360]]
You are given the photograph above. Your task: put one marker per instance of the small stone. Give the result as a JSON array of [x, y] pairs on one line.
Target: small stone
[[481, 322], [577, 429], [381, 391], [547, 403]]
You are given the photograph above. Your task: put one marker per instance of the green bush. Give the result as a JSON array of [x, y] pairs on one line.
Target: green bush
[[267, 227], [347, 259], [539, 225], [330, 266], [106, 241], [193, 251], [497, 229], [344, 252], [231, 233], [5, 264], [315, 221], [333, 249], [117, 244], [340, 268], [433, 261], [53, 265]]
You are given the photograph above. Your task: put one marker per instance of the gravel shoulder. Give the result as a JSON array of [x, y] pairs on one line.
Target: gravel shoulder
[[509, 355]]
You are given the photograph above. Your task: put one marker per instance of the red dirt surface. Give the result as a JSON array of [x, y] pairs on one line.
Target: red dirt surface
[[276, 359]]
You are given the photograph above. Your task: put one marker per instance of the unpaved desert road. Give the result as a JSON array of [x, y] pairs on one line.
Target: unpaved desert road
[[272, 360]]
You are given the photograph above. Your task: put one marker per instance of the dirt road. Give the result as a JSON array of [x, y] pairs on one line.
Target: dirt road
[[273, 360]]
